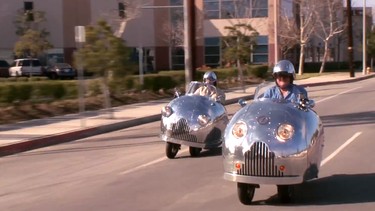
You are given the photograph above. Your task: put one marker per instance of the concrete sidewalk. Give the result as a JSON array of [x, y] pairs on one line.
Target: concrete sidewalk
[[28, 135]]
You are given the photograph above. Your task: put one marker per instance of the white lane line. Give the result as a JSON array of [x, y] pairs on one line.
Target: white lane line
[[149, 163], [337, 94], [337, 151]]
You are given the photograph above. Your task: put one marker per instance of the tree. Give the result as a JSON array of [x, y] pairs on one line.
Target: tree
[[103, 53], [33, 38], [329, 25], [371, 46], [237, 46], [128, 10], [32, 43], [299, 27]]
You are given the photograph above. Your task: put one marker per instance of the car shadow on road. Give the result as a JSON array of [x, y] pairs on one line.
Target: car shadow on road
[[205, 153], [335, 189], [367, 117]]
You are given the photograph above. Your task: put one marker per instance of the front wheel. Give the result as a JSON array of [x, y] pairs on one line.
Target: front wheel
[[194, 151], [171, 149], [245, 192], [285, 193]]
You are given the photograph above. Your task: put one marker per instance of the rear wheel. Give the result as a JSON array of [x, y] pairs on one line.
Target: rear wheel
[[194, 151], [285, 193], [53, 76], [171, 149], [245, 192]]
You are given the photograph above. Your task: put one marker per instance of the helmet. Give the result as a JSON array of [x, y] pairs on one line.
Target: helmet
[[284, 67], [210, 76]]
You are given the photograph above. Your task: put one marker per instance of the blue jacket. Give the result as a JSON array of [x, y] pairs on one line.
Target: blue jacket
[[292, 96]]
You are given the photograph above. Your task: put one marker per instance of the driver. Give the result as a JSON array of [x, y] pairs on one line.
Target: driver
[[284, 74], [210, 79]]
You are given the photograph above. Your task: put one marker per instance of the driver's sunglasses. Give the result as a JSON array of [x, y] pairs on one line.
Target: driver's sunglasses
[[282, 75]]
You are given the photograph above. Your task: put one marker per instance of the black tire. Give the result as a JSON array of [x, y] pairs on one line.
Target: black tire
[[285, 193], [245, 192], [171, 150], [194, 151], [53, 76]]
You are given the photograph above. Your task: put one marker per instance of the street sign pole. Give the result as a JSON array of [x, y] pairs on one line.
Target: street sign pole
[[80, 38]]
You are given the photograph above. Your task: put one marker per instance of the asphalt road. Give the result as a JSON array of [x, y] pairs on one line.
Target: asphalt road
[[128, 170]]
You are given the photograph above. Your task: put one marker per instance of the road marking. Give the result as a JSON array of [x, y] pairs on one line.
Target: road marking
[[337, 151], [337, 95], [149, 163]]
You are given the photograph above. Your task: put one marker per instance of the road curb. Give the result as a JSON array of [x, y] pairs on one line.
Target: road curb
[[73, 135], [339, 82]]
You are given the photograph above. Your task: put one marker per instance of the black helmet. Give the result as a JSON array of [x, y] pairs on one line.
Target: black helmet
[[284, 67]]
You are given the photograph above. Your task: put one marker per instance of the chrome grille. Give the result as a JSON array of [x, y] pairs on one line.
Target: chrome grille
[[259, 161], [181, 130]]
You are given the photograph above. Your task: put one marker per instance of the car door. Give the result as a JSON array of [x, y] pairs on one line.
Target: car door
[[36, 69], [26, 67]]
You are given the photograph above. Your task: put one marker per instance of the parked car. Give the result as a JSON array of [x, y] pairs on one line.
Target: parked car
[[26, 67], [4, 68], [60, 70]]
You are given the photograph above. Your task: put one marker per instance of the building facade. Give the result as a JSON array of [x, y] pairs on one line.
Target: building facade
[[156, 27]]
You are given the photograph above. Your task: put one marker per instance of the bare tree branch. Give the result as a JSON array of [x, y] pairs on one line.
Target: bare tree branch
[[330, 26]]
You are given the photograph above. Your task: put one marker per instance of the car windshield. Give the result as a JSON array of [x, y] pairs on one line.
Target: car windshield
[[261, 89], [62, 65], [195, 85], [4, 63]]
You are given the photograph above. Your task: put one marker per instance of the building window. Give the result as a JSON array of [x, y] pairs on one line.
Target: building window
[[178, 58], [229, 9], [121, 10], [28, 7], [176, 2], [176, 35], [212, 51], [260, 50]]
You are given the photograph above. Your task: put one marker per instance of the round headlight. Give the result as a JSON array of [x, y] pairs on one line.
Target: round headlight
[[166, 111], [203, 120], [285, 132], [239, 129]]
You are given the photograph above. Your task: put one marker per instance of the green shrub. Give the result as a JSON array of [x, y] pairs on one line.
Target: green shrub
[[260, 71], [24, 92], [94, 87], [10, 94], [129, 83], [59, 91], [155, 82]]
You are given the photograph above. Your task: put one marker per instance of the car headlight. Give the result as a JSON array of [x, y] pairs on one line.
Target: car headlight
[[166, 111], [285, 132], [203, 120], [239, 129]]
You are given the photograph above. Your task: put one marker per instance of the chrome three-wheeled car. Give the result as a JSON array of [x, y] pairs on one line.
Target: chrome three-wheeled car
[[270, 141], [193, 120]]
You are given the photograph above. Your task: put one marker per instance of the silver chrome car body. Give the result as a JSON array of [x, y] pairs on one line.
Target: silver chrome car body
[[194, 120], [260, 156]]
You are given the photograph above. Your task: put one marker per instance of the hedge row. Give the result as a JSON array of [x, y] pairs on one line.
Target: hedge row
[[36, 89]]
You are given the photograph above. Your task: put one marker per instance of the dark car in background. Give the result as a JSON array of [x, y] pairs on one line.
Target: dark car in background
[[4, 68], [60, 71]]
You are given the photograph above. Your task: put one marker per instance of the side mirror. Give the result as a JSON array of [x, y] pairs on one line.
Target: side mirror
[[242, 102], [312, 103], [177, 93]]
